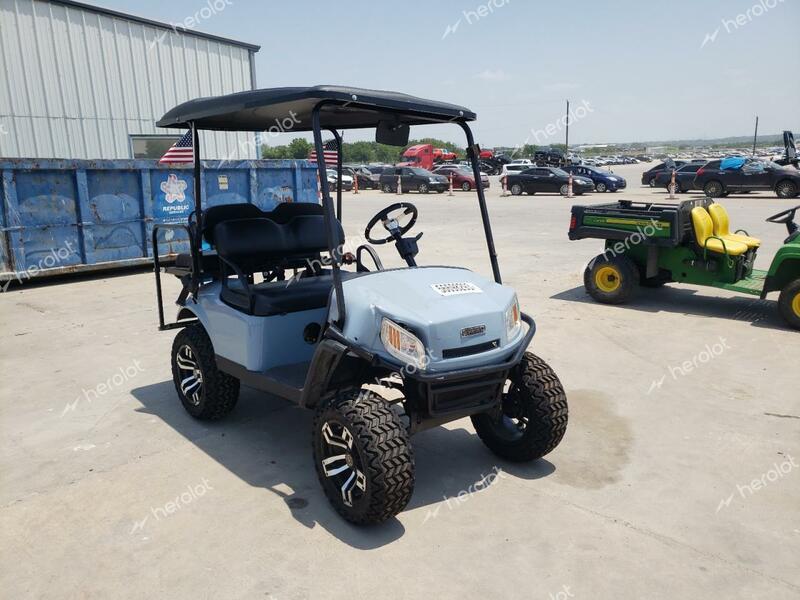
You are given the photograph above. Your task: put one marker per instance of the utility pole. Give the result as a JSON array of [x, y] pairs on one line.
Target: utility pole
[[566, 144], [755, 137]]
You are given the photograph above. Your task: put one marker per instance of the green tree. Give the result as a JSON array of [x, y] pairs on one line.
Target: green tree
[[299, 148]]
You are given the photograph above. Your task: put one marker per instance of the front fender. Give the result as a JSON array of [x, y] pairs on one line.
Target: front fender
[[785, 268]]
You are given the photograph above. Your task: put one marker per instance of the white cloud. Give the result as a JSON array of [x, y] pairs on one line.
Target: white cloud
[[493, 75], [561, 86]]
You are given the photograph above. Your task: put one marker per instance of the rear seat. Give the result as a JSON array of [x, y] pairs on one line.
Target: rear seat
[[215, 215], [251, 245]]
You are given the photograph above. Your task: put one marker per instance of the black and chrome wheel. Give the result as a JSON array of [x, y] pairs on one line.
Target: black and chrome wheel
[[786, 189], [423, 188], [387, 189], [363, 457], [190, 375], [600, 187], [466, 186], [533, 415], [205, 392], [713, 189], [516, 190]]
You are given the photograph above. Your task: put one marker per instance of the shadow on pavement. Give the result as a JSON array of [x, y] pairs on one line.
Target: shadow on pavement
[[681, 300], [266, 442]]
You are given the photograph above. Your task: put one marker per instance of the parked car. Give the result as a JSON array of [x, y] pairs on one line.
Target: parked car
[[366, 180], [549, 157], [604, 181], [413, 178], [753, 175], [515, 168], [546, 179], [347, 180], [684, 177], [648, 177], [462, 177]]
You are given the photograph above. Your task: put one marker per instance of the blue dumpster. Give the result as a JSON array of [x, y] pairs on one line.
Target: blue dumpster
[[61, 216]]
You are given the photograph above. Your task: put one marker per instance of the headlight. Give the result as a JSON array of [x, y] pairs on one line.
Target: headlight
[[513, 322], [402, 344], [434, 180]]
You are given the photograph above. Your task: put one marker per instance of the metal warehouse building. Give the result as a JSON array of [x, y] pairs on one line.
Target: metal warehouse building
[[82, 82]]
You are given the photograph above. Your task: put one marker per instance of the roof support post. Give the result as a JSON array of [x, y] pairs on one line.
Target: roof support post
[[473, 152], [330, 218]]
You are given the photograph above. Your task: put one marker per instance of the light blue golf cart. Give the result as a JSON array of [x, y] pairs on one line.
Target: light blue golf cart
[[272, 301]]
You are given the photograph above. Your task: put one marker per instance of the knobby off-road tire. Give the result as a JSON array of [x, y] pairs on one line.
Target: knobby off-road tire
[[534, 414], [375, 471], [789, 303], [611, 280], [206, 392]]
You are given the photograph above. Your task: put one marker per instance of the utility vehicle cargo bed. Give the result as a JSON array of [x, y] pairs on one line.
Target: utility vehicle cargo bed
[[649, 222]]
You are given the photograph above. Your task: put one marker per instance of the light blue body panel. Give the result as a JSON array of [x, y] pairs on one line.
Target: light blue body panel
[[256, 343], [407, 297]]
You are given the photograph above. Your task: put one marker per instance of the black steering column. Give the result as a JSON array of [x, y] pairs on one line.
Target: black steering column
[[397, 219]]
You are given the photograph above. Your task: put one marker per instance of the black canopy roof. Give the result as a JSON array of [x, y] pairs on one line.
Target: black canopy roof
[[350, 108]]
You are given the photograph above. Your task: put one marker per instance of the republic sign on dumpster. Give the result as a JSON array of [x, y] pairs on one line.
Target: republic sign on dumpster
[[62, 216]]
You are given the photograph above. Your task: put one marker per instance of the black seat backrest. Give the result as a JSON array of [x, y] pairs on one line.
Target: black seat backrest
[[225, 212], [285, 211], [259, 243]]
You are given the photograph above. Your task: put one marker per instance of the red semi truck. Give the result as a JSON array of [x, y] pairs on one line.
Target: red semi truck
[[425, 156]]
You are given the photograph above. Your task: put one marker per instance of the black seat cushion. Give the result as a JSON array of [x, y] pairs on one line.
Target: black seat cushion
[[281, 297]]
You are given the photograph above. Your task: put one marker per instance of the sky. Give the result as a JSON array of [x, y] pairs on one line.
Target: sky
[[641, 69]]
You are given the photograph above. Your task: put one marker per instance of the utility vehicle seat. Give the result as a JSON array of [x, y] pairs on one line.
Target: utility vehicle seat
[[248, 246], [704, 232], [722, 227]]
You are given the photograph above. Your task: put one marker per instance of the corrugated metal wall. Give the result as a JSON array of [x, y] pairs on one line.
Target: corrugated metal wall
[[76, 83]]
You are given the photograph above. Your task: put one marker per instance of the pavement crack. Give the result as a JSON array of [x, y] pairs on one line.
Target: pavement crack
[[780, 416]]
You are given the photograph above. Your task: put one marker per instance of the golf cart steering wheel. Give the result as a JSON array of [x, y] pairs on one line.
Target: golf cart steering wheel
[[391, 218]]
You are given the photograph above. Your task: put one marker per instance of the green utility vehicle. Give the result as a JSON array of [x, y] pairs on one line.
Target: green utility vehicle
[[651, 244]]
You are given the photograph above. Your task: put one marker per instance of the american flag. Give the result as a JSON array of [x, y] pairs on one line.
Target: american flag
[[180, 152], [330, 152]]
